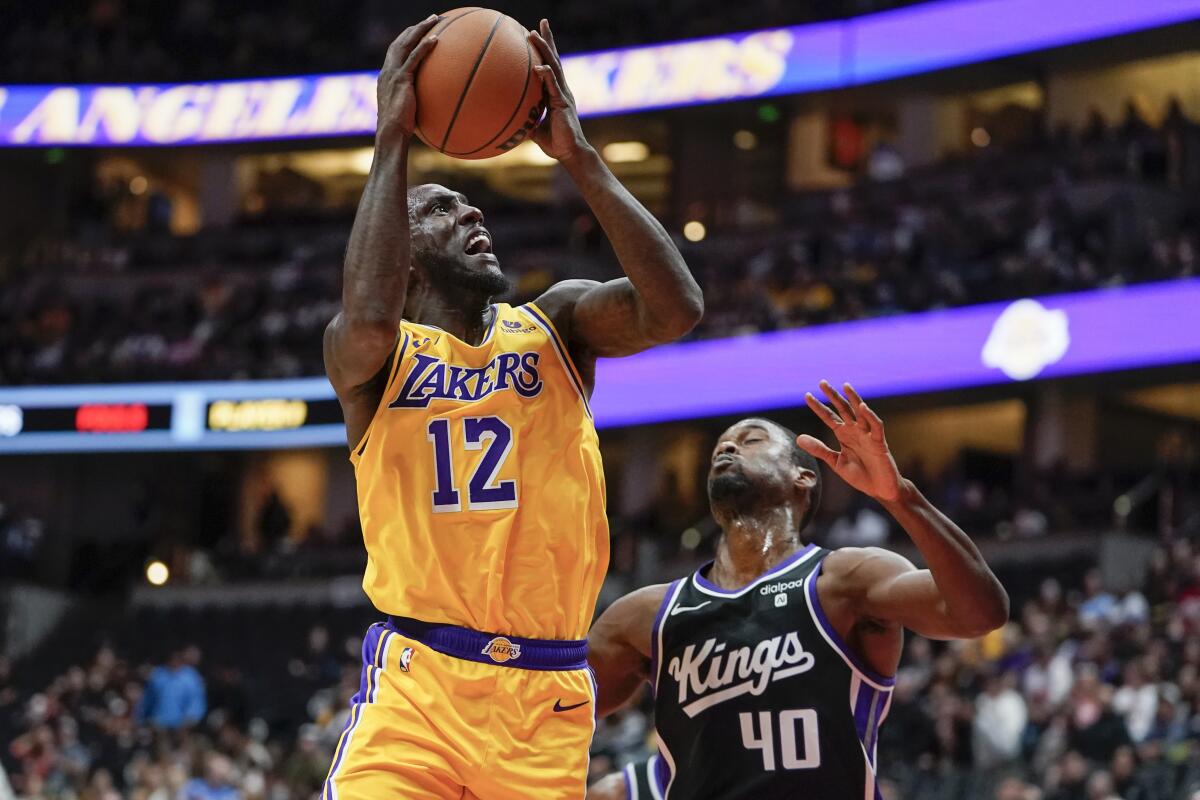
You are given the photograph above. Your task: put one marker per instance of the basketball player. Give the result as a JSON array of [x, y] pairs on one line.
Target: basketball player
[[480, 487], [771, 666]]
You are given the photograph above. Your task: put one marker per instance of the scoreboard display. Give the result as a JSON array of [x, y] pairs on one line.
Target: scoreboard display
[[207, 416]]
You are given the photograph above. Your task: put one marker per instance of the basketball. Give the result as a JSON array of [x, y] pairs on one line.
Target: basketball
[[477, 93]]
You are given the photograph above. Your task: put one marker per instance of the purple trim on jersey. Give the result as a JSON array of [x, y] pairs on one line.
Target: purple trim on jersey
[[832, 633], [862, 710], [787, 564], [468, 645], [561, 347], [658, 620], [492, 327], [369, 648], [877, 705], [660, 773]]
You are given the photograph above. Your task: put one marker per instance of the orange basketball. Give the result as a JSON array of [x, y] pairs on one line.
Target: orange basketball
[[477, 93]]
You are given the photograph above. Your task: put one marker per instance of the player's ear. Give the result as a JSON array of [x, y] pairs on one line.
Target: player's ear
[[804, 479]]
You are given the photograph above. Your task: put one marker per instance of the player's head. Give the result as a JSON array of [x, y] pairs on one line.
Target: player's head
[[451, 250], [756, 465]]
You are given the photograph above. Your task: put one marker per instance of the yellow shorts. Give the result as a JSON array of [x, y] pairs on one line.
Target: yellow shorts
[[511, 719]]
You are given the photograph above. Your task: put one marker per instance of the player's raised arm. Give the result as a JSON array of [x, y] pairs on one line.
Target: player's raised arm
[[619, 646], [360, 338], [658, 301], [958, 596]]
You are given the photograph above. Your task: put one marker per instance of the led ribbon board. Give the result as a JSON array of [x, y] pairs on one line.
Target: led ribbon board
[[802, 58], [1051, 337]]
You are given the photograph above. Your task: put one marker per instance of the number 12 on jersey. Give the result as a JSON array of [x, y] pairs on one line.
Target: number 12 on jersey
[[803, 718], [483, 492]]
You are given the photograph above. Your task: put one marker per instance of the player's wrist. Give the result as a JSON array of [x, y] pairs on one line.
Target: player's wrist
[[580, 157]]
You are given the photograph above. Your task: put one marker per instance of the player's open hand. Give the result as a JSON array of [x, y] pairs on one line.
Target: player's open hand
[[396, 88], [864, 461], [560, 135]]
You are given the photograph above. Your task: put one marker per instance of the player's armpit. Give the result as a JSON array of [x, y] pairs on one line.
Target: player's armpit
[[619, 646], [886, 586]]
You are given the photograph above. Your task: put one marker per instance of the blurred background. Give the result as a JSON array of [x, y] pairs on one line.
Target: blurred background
[[982, 212]]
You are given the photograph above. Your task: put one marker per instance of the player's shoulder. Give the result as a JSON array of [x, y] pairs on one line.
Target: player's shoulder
[[564, 293], [558, 302], [864, 564]]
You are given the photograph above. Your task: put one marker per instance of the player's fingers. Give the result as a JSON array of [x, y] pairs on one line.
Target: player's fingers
[[865, 413], [851, 395], [816, 448], [544, 42], [548, 35], [550, 81], [419, 52], [838, 402], [400, 48], [821, 410]]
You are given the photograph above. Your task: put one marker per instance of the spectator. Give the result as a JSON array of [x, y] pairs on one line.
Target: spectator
[[1000, 719], [174, 695], [217, 783]]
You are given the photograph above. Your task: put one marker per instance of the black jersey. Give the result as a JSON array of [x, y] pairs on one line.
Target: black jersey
[[755, 694], [646, 780]]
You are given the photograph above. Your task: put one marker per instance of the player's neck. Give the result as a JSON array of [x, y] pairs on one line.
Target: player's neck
[[751, 545], [468, 316]]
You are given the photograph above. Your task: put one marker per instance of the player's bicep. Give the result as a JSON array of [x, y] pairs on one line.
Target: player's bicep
[[619, 647], [610, 787], [911, 598]]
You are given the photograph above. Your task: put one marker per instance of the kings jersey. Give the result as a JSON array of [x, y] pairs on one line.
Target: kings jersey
[[480, 486], [756, 697]]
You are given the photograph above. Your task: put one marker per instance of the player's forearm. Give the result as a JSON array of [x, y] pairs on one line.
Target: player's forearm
[[671, 300], [972, 593], [377, 258]]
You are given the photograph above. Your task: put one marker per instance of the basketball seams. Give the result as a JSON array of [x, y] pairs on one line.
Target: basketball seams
[[438, 29], [470, 78], [520, 104]]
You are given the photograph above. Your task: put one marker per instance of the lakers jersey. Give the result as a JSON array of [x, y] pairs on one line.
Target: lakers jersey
[[480, 486]]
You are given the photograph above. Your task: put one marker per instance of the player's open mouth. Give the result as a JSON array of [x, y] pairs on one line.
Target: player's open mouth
[[479, 242], [723, 459]]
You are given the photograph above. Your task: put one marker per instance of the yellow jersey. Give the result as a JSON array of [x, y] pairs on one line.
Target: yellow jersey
[[480, 486]]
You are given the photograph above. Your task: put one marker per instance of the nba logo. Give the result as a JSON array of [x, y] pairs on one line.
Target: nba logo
[[405, 658], [780, 600], [500, 650]]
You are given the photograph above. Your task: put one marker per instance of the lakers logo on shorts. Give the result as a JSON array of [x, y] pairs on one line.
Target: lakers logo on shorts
[[405, 658], [500, 650]]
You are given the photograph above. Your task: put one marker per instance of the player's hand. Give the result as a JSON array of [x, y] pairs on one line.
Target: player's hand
[[396, 88], [560, 135], [864, 461]]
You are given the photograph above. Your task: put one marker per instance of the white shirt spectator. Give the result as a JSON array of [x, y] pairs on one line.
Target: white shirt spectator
[[1000, 718]]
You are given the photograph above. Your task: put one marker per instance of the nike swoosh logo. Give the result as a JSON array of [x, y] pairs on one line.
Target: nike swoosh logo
[[681, 609], [558, 706]]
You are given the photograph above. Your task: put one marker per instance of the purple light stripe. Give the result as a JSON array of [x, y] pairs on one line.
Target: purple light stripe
[[937, 35], [764, 63], [1110, 329]]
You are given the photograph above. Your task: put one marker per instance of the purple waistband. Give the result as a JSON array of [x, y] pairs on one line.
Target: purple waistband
[[494, 648]]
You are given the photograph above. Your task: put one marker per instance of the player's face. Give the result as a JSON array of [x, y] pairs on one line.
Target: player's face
[[751, 465], [450, 244]]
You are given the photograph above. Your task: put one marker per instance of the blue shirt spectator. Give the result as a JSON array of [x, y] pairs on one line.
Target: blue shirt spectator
[[174, 696]]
